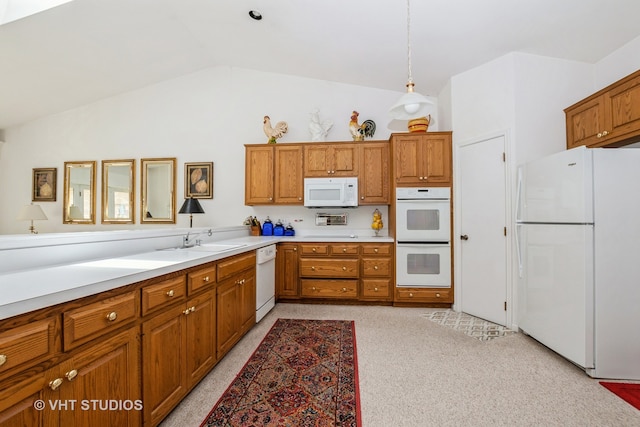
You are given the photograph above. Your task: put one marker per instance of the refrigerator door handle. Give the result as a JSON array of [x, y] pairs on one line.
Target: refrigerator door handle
[[519, 251], [518, 194]]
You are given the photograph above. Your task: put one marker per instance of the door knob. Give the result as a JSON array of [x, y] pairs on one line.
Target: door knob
[[464, 237]]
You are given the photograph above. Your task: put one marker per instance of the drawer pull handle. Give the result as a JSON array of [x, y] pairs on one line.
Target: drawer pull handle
[[205, 279], [375, 289], [53, 385], [344, 268], [344, 289], [375, 250], [410, 295], [313, 268], [437, 295], [189, 310], [170, 293], [3, 359], [375, 267], [71, 374], [112, 316], [295, 249], [313, 289], [314, 249], [344, 249]]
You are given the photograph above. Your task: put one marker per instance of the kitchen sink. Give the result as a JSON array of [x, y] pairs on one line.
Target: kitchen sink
[[215, 247]]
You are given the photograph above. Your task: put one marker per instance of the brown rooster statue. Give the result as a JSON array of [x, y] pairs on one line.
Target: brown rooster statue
[[276, 132], [359, 132]]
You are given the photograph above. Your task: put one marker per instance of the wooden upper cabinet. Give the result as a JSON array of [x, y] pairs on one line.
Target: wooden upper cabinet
[[258, 185], [329, 160], [373, 182], [422, 158], [273, 174], [609, 117]]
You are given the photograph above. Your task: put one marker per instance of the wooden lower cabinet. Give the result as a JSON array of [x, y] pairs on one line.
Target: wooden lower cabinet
[[17, 403], [329, 288], [287, 272], [178, 348], [411, 296]]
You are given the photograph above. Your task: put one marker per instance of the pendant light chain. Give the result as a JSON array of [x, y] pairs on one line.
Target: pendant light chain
[[409, 41]]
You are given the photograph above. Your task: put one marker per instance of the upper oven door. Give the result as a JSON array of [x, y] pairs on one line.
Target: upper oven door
[[423, 221]]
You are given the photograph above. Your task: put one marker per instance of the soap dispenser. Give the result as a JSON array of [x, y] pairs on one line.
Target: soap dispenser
[[267, 227]]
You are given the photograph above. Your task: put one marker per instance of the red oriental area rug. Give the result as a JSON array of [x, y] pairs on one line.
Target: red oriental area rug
[[627, 391], [304, 373]]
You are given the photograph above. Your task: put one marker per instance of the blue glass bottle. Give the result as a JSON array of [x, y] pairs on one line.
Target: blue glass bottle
[[278, 230], [267, 227]]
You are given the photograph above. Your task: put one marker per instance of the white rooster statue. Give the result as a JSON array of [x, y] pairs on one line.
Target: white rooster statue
[[358, 132], [319, 129], [274, 133]]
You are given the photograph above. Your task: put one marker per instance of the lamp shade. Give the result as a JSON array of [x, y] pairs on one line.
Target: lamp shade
[[191, 206], [31, 212], [411, 105]]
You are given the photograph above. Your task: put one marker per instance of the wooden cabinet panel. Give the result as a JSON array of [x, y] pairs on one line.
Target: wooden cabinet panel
[[259, 173], [375, 267], [228, 327], [422, 159], [247, 299], [375, 249], [289, 180], [424, 295], [230, 266], [609, 117], [26, 345], [344, 249], [377, 289], [201, 336], [329, 288], [374, 175], [88, 322], [108, 371], [328, 267], [327, 160], [165, 368], [17, 402], [162, 294], [314, 249], [287, 271], [201, 279]]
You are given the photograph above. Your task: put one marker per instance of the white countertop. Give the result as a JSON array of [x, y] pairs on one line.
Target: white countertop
[[33, 289]]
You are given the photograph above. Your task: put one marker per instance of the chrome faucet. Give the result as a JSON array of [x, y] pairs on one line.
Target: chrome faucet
[[189, 242]]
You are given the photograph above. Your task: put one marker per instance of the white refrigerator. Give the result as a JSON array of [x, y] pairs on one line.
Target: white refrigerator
[[578, 250]]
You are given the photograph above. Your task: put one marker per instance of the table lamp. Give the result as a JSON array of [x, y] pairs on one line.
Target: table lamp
[[31, 213], [191, 206]]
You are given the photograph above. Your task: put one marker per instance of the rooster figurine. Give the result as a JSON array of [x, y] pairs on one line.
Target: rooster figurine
[[359, 132], [274, 133]]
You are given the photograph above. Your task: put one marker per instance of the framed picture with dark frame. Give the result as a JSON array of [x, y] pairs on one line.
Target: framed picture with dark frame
[[198, 180], [44, 185]]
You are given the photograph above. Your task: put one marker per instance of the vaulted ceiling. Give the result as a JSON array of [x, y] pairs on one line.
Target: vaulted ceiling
[[87, 50]]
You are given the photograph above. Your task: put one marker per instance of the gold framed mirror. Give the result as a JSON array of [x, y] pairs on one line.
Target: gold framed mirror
[[79, 206], [118, 191], [157, 191]]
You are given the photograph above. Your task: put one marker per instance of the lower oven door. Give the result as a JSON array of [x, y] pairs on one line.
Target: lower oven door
[[423, 265]]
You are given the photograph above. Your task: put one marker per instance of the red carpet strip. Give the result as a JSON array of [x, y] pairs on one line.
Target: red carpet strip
[[304, 373], [626, 391]]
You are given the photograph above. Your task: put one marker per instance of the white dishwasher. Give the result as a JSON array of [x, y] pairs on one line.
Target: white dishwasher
[[265, 280]]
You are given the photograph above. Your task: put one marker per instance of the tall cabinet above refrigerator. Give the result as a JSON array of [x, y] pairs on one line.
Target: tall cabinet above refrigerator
[[578, 248]]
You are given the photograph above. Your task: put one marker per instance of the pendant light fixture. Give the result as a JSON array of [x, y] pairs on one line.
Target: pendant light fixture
[[411, 105]]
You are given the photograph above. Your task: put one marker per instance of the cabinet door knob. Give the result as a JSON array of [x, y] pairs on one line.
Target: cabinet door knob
[[270, 198], [3, 359], [205, 279], [375, 267], [410, 295], [344, 289], [344, 268], [299, 198], [71, 374], [437, 295], [313, 268], [375, 289], [295, 249], [111, 317], [53, 385], [313, 288], [170, 293], [344, 249], [314, 249], [375, 250], [599, 135], [328, 171]]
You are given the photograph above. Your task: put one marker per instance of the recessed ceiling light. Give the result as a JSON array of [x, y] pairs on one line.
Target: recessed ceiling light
[[255, 15]]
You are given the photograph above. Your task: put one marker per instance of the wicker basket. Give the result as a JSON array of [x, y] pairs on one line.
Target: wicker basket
[[421, 124]]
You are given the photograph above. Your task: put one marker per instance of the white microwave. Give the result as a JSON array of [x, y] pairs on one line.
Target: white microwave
[[330, 192]]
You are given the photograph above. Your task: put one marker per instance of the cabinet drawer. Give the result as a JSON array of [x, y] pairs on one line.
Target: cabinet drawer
[[88, 322], [328, 267], [423, 295], [376, 249], [329, 288], [345, 249], [200, 279], [230, 266], [376, 289], [314, 249], [376, 267], [162, 294], [27, 345]]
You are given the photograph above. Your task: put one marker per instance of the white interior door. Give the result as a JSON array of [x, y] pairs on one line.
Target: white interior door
[[483, 244]]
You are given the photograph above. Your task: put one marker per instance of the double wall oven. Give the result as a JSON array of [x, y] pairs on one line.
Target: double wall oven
[[423, 233]]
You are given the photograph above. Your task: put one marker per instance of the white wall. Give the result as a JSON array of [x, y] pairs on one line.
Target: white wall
[[618, 64], [201, 117]]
